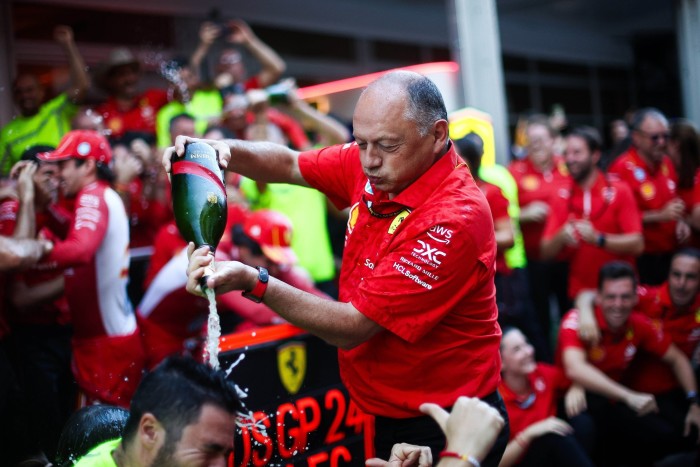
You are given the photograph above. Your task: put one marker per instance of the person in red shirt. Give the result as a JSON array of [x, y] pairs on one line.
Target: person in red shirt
[[512, 288], [417, 298], [540, 176], [684, 151], [628, 427], [127, 109], [593, 222], [38, 311], [532, 392], [93, 253], [651, 176]]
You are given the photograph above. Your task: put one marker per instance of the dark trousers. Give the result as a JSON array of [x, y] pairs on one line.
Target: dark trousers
[[625, 438], [547, 279], [424, 431], [42, 358], [553, 450]]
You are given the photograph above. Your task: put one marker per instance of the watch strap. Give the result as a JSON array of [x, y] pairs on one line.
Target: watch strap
[[256, 293]]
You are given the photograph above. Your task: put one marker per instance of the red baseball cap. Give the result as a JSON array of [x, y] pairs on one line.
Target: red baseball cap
[[273, 232], [80, 144]]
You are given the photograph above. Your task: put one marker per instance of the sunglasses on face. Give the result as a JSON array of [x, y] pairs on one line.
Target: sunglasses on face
[[656, 137]]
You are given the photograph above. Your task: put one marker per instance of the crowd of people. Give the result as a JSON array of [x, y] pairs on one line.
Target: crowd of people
[[585, 259]]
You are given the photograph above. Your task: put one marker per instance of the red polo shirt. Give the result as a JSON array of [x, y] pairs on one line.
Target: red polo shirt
[[423, 269], [141, 117], [615, 351], [547, 382], [534, 185], [652, 187], [691, 197], [610, 207], [499, 211], [649, 374]]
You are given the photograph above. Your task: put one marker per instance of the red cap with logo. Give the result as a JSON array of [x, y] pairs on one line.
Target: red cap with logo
[[273, 232], [80, 144]]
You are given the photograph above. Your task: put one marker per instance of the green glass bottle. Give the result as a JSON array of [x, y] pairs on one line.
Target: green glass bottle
[[199, 195]]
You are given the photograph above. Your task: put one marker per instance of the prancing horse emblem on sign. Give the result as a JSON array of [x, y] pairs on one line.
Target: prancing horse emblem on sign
[[291, 363]]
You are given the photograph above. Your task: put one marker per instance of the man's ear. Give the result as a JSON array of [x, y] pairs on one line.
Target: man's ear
[[151, 433], [442, 136]]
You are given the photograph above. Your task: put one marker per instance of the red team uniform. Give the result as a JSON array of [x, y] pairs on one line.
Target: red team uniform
[[422, 267], [142, 117], [610, 207]]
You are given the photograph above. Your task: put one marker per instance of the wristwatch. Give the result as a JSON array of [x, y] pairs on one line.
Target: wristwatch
[[258, 291], [600, 241], [692, 397]]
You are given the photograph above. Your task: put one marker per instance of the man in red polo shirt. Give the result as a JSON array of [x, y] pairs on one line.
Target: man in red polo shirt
[[621, 414], [650, 174], [126, 108], [416, 285], [593, 222], [540, 177]]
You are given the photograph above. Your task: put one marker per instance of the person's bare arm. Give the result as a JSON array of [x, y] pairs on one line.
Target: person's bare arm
[[23, 296], [208, 33], [26, 216], [550, 248], [592, 379], [260, 161], [339, 324], [80, 81], [21, 253], [504, 233], [272, 64], [330, 129], [622, 244]]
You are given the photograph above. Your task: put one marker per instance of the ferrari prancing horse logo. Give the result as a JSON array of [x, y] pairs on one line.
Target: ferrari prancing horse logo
[[291, 364]]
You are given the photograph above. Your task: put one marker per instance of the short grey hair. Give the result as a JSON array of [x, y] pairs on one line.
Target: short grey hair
[[649, 112], [425, 104]]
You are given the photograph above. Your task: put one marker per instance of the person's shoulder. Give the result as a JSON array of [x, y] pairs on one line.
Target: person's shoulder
[[100, 455]]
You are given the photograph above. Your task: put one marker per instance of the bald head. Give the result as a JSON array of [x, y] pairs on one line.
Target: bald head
[[424, 103]]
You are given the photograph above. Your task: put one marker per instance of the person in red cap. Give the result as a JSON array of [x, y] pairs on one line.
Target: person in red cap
[[107, 354], [170, 319]]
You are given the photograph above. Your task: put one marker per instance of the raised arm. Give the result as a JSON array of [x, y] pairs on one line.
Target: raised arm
[[80, 82], [208, 33], [272, 64]]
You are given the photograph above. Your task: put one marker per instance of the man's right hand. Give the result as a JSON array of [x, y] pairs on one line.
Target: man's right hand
[[179, 149], [404, 455], [642, 403]]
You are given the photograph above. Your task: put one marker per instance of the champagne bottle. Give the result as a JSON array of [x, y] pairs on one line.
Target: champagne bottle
[[199, 197]]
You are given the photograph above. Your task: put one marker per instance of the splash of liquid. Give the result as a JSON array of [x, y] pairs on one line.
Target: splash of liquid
[[213, 331]]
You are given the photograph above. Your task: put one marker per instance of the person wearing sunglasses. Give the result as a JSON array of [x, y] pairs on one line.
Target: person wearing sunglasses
[[650, 173]]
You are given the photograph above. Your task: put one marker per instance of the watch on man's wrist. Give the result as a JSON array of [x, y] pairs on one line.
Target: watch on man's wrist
[[600, 241], [256, 293], [692, 397]]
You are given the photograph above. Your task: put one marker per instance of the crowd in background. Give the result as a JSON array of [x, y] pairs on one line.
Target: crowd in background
[[562, 211]]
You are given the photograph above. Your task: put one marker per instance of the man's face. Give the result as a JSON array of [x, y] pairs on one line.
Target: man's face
[[392, 152], [46, 181], [684, 280], [579, 159], [231, 62], [71, 177], [617, 298], [540, 144], [651, 138], [123, 81], [205, 443], [182, 126], [28, 95]]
